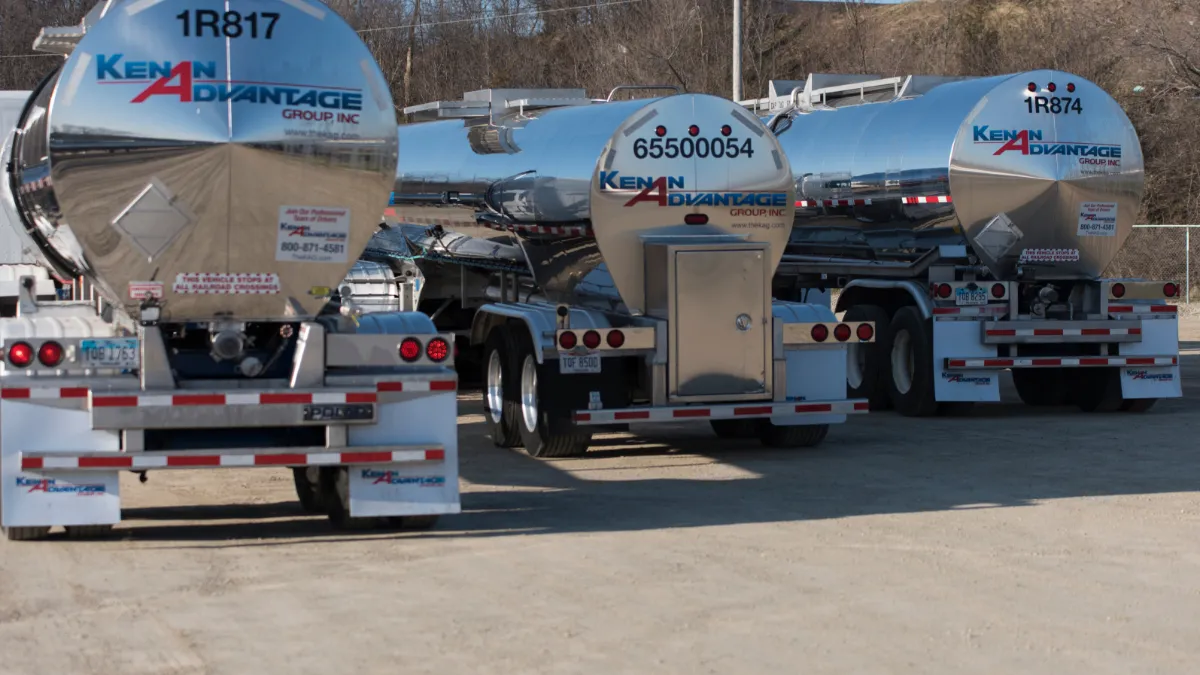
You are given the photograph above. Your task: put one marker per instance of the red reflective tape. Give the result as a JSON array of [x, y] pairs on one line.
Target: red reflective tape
[[194, 460], [814, 407], [361, 398], [288, 459], [114, 401], [14, 393], [435, 454], [198, 399], [997, 362], [754, 410], [1120, 308], [367, 457], [957, 363], [284, 398], [632, 415], [1163, 308], [945, 310], [1095, 331], [31, 462], [443, 385], [73, 392], [1047, 362], [1139, 362], [389, 386], [1093, 362], [862, 406], [105, 462], [1002, 331], [692, 412], [1047, 331], [1135, 331], [583, 417]]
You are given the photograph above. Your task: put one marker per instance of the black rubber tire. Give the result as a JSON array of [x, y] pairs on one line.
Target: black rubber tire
[[1097, 390], [88, 531], [919, 400], [1042, 386], [956, 408], [554, 436], [307, 492], [1138, 405], [803, 436], [735, 428], [413, 523], [26, 533], [338, 503], [876, 370], [504, 432]]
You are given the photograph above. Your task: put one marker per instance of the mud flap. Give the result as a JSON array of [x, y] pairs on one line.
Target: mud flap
[[814, 374], [962, 339], [1160, 337]]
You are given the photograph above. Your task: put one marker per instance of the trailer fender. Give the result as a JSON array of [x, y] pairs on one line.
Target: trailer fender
[[861, 291]]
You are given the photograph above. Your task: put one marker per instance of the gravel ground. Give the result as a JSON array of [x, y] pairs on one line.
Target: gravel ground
[[1013, 541]]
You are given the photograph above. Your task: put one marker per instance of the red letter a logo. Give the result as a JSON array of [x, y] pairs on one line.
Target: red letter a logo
[[658, 186], [1021, 142], [162, 86]]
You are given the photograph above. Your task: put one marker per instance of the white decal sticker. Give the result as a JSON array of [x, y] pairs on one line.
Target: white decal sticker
[[313, 234], [141, 290], [1047, 255], [1098, 219], [242, 283]]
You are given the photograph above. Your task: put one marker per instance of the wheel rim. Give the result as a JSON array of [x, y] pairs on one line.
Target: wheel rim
[[529, 398], [856, 366], [495, 387], [902, 361]]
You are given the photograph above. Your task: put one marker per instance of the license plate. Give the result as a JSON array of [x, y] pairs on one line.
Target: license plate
[[967, 296], [571, 364], [114, 353]]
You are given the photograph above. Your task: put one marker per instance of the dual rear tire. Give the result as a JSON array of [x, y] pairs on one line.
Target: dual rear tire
[[772, 435]]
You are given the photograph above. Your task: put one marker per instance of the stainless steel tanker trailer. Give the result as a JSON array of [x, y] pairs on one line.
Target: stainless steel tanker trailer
[[212, 209], [971, 219], [612, 261]]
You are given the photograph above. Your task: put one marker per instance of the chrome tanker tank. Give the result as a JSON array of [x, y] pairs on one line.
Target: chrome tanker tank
[[569, 185], [1040, 173], [218, 160]]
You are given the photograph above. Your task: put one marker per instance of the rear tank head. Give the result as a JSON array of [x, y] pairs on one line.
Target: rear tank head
[[688, 165], [222, 159]]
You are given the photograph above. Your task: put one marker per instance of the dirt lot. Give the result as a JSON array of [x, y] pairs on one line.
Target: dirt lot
[[1010, 542]]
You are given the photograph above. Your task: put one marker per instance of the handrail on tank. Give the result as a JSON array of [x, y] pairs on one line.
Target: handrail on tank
[[628, 87]]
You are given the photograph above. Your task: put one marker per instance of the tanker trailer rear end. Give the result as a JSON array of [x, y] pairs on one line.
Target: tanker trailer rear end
[[647, 233], [972, 219], [212, 207]]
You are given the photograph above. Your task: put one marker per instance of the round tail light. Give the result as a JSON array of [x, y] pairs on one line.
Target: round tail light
[[615, 339], [660, 131], [20, 354], [1118, 290], [50, 354], [591, 339], [567, 340], [410, 349], [820, 332], [1050, 87], [1170, 290], [693, 130], [1032, 87], [998, 290], [865, 331], [1071, 87], [842, 332], [726, 130], [944, 290], [437, 350]]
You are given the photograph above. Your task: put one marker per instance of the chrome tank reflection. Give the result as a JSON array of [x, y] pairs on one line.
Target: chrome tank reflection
[[575, 186], [181, 172], [974, 161]]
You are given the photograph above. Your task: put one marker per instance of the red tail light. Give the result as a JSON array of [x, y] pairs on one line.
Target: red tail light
[[693, 130], [660, 131], [615, 339], [1071, 87], [567, 340], [437, 350], [1050, 87], [591, 339], [998, 290], [695, 219], [1170, 290], [410, 349], [1032, 87], [20, 354], [50, 354], [726, 130], [865, 331], [841, 332], [1118, 290], [944, 290], [820, 332]]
